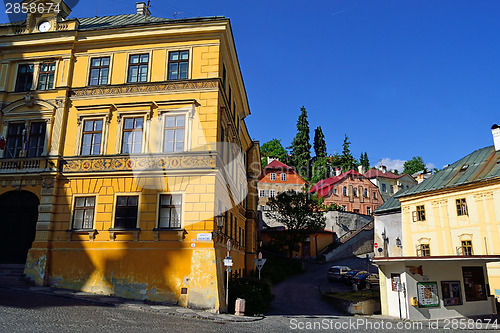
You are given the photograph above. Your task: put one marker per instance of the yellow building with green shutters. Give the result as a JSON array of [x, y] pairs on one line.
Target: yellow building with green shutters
[[125, 137]]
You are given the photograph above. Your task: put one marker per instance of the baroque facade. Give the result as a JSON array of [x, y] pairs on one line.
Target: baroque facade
[[125, 139]]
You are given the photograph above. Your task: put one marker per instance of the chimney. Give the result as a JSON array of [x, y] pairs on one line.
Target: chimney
[[142, 9], [270, 159], [383, 168], [337, 172], [361, 169], [495, 130]]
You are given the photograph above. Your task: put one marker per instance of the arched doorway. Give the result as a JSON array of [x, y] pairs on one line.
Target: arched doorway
[[18, 217]]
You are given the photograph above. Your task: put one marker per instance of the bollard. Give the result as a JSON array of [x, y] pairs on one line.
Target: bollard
[[239, 307]]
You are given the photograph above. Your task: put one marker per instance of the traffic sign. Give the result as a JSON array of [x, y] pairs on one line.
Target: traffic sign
[[375, 245], [259, 263], [228, 261], [229, 245]]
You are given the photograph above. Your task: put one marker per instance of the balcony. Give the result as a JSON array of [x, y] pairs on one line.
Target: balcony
[[25, 165]]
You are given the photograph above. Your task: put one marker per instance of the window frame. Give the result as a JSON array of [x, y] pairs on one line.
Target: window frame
[[178, 62], [272, 193], [30, 137], [80, 129], [40, 73], [420, 213], [17, 149], [83, 132], [18, 73], [74, 209], [115, 210], [123, 118], [467, 249], [159, 206], [461, 205], [272, 176], [90, 67], [283, 177], [129, 65], [424, 250]]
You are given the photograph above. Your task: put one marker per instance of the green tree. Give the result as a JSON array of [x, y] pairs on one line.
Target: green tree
[[395, 171], [347, 161], [416, 164], [272, 148], [319, 143], [321, 169], [301, 148], [364, 162], [300, 213]]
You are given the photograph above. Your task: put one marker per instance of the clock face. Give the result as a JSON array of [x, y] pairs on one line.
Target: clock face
[[44, 26]]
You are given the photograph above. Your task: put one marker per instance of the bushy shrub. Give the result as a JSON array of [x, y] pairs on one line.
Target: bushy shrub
[[257, 295]]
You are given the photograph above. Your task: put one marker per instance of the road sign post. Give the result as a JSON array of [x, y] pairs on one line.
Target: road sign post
[[259, 262]]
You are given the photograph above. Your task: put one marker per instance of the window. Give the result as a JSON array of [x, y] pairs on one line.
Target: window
[[173, 139], [46, 76], [262, 193], [356, 211], [368, 210], [283, 177], [24, 77], [132, 135], [83, 213], [230, 97], [355, 192], [273, 176], [335, 190], [461, 207], [467, 248], [272, 193], [92, 134], [423, 250], [138, 68], [384, 189], [178, 64], [170, 211], [474, 286], [126, 212], [224, 77], [15, 140], [99, 71], [366, 193], [344, 208], [374, 195], [36, 141], [419, 215], [344, 191], [231, 226]]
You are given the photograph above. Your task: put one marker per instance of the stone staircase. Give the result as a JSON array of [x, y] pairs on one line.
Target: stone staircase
[[12, 275]]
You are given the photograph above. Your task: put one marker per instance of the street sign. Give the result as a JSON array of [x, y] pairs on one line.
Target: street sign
[[228, 261], [259, 263], [260, 255], [375, 245], [228, 245]]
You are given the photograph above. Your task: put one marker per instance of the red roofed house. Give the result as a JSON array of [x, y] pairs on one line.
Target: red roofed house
[[389, 183], [275, 178], [351, 190]]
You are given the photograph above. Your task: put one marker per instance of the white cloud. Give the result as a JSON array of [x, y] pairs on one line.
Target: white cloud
[[392, 164], [399, 164]]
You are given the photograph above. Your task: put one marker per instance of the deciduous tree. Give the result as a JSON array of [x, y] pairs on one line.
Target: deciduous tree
[[416, 164], [272, 148]]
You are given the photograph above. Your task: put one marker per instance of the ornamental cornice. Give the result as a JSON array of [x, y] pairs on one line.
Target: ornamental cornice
[[149, 163], [141, 88]]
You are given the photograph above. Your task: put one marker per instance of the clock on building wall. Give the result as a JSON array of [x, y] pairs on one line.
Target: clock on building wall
[[44, 26]]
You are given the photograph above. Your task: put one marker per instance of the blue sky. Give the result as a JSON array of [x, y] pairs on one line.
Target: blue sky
[[400, 78]]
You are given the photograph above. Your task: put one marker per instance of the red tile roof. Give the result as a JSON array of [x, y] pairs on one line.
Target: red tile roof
[[323, 186], [372, 173], [277, 165]]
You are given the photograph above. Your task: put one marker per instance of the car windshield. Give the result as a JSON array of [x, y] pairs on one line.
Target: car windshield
[[334, 270]]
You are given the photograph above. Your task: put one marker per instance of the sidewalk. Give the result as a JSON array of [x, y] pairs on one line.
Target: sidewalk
[[135, 304]]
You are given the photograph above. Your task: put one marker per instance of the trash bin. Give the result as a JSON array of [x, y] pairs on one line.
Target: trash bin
[[239, 307]]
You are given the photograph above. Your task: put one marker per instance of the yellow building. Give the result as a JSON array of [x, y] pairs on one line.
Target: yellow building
[[125, 138], [450, 242]]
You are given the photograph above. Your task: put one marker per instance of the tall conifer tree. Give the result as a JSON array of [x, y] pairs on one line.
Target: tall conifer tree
[[301, 148], [348, 162], [319, 143]]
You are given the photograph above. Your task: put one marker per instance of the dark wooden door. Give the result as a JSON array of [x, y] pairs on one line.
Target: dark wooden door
[[18, 217]]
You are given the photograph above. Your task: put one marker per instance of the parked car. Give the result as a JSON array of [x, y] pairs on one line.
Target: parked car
[[366, 280], [349, 277], [335, 273]]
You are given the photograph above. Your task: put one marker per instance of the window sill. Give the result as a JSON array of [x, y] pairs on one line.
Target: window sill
[[90, 232], [114, 231], [181, 233]]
